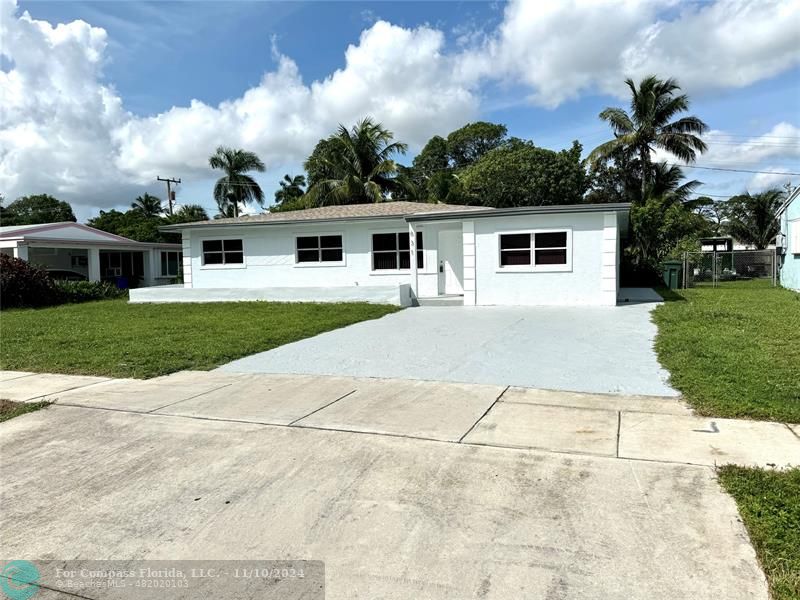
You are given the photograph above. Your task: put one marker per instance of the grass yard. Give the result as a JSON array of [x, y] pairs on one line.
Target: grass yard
[[10, 409], [769, 502], [733, 351], [117, 339]]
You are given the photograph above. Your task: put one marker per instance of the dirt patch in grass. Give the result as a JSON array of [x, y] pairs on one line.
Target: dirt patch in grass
[[10, 409]]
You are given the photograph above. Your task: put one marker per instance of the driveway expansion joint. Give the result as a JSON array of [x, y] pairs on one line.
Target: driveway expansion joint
[[486, 412]]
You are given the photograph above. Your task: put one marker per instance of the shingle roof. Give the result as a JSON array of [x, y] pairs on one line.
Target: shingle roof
[[378, 210]]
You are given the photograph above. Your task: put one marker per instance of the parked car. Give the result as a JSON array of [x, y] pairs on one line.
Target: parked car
[[66, 275]]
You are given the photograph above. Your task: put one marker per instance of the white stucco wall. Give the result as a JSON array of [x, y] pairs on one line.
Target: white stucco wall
[[270, 258], [590, 280]]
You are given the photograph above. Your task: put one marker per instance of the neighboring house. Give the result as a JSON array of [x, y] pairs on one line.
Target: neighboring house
[[404, 252], [74, 251], [789, 238]]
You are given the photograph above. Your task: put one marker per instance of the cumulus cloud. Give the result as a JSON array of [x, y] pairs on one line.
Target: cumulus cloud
[[64, 128]]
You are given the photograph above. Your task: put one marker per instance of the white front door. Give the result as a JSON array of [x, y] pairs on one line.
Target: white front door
[[451, 262]]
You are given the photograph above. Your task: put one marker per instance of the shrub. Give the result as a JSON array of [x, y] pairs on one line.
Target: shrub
[[86, 291], [22, 284]]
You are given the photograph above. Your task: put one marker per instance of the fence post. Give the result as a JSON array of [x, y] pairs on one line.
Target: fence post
[[714, 267], [683, 280], [774, 267]]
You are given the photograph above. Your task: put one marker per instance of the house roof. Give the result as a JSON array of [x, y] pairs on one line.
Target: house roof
[[479, 212], [345, 212], [69, 232]]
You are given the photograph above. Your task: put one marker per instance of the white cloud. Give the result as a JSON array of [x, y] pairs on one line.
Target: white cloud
[[64, 128]]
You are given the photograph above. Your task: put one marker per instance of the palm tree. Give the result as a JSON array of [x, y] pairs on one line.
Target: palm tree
[[236, 187], [649, 126], [188, 213], [753, 218], [358, 164], [667, 182], [291, 188], [149, 205]]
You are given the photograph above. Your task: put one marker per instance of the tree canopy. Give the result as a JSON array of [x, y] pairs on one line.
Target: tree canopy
[[148, 205], [36, 209], [132, 224], [753, 218], [236, 187]]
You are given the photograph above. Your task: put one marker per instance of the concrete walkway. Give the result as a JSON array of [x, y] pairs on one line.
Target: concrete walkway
[[584, 349], [405, 489]]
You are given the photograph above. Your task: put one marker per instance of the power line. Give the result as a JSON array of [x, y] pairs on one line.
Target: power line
[[733, 170], [170, 193]]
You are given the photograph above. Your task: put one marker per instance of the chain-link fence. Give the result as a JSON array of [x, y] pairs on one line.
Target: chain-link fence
[[716, 269]]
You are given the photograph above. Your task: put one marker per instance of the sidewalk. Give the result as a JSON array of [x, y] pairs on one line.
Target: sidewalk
[[648, 428]]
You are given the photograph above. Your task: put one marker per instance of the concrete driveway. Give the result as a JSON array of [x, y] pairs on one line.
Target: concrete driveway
[[392, 517], [585, 349]]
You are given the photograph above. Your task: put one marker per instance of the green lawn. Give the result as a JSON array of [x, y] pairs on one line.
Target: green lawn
[[118, 339], [733, 351], [9, 409], [769, 502]]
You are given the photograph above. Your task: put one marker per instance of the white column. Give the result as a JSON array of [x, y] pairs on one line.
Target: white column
[[468, 244], [186, 242], [152, 266], [94, 264], [412, 244], [21, 252], [608, 283]]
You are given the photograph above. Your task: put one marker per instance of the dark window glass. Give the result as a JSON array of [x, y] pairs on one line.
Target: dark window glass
[[420, 253], [405, 259], [234, 257], [551, 257], [332, 255], [384, 260], [403, 241], [212, 246], [515, 257], [330, 241], [515, 240], [164, 264], [384, 241], [308, 255], [307, 242], [235, 245], [212, 258], [557, 239], [419, 241], [172, 263]]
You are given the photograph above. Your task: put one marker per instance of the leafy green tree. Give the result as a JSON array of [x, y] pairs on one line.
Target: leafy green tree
[[132, 224], [433, 158], [188, 213], [236, 187], [753, 218], [651, 125], [713, 211], [468, 144], [291, 188], [149, 205], [37, 209], [354, 166], [520, 174]]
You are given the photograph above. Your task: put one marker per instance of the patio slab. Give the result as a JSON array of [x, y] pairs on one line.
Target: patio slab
[[555, 428], [653, 404], [7, 375], [707, 441], [279, 399], [136, 394], [424, 409], [36, 386]]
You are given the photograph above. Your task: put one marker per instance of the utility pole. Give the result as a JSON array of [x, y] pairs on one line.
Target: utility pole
[[170, 193]]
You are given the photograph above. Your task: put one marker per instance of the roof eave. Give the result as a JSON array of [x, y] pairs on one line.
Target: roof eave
[[181, 226], [521, 210]]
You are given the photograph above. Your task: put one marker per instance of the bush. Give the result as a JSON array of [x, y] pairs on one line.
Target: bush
[[86, 291], [22, 284]]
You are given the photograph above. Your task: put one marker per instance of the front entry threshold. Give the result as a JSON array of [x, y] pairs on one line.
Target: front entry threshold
[[443, 300]]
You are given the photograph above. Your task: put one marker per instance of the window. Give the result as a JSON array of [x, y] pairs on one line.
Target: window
[[170, 263], [223, 252], [537, 249], [319, 248], [391, 251]]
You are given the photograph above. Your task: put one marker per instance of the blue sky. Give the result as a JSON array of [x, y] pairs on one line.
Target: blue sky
[[515, 67]]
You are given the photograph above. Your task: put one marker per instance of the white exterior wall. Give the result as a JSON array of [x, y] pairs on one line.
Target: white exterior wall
[[270, 258], [590, 280]]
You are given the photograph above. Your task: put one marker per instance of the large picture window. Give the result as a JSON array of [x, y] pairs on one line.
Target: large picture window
[[535, 249], [223, 252], [392, 252], [170, 263], [319, 249]]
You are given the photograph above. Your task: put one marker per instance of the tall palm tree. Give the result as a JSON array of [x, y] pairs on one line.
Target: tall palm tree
[[236, 186], [358, 163], [189, 213], [291, 188], [753, 218], [666, 181], [650, 126], [149, 205]]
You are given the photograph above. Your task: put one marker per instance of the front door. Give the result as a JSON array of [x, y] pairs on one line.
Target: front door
[[451, 262]]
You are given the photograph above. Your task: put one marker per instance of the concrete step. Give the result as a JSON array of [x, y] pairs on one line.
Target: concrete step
[[446, 300]]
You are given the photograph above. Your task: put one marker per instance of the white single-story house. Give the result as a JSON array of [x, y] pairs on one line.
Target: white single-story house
[[405, 253], [788, 241], [73, 251]]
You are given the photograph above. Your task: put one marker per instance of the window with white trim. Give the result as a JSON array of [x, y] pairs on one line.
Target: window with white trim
[[392, 251], [535, 249], [319, 249], [223, 252], [170, 263]]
